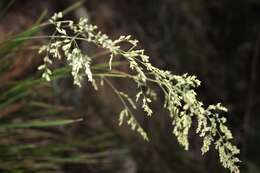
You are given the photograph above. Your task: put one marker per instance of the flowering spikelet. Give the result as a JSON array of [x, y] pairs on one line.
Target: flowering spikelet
[[180, 97]]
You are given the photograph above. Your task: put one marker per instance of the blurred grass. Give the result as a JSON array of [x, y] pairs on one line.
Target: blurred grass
[[32, 136], [39, 124], [32, 151]]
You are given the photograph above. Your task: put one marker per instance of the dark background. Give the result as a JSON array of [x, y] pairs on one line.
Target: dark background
[[217, 40]]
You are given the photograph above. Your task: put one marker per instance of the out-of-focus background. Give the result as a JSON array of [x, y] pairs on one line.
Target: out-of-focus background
[[217, 40]]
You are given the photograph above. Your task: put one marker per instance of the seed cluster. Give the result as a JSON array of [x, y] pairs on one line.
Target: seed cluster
[[180, 97]]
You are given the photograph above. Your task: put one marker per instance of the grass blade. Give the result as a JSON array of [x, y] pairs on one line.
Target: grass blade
[[38, 124]]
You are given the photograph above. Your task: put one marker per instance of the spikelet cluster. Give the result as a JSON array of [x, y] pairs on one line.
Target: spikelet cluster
[[180, 97]]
